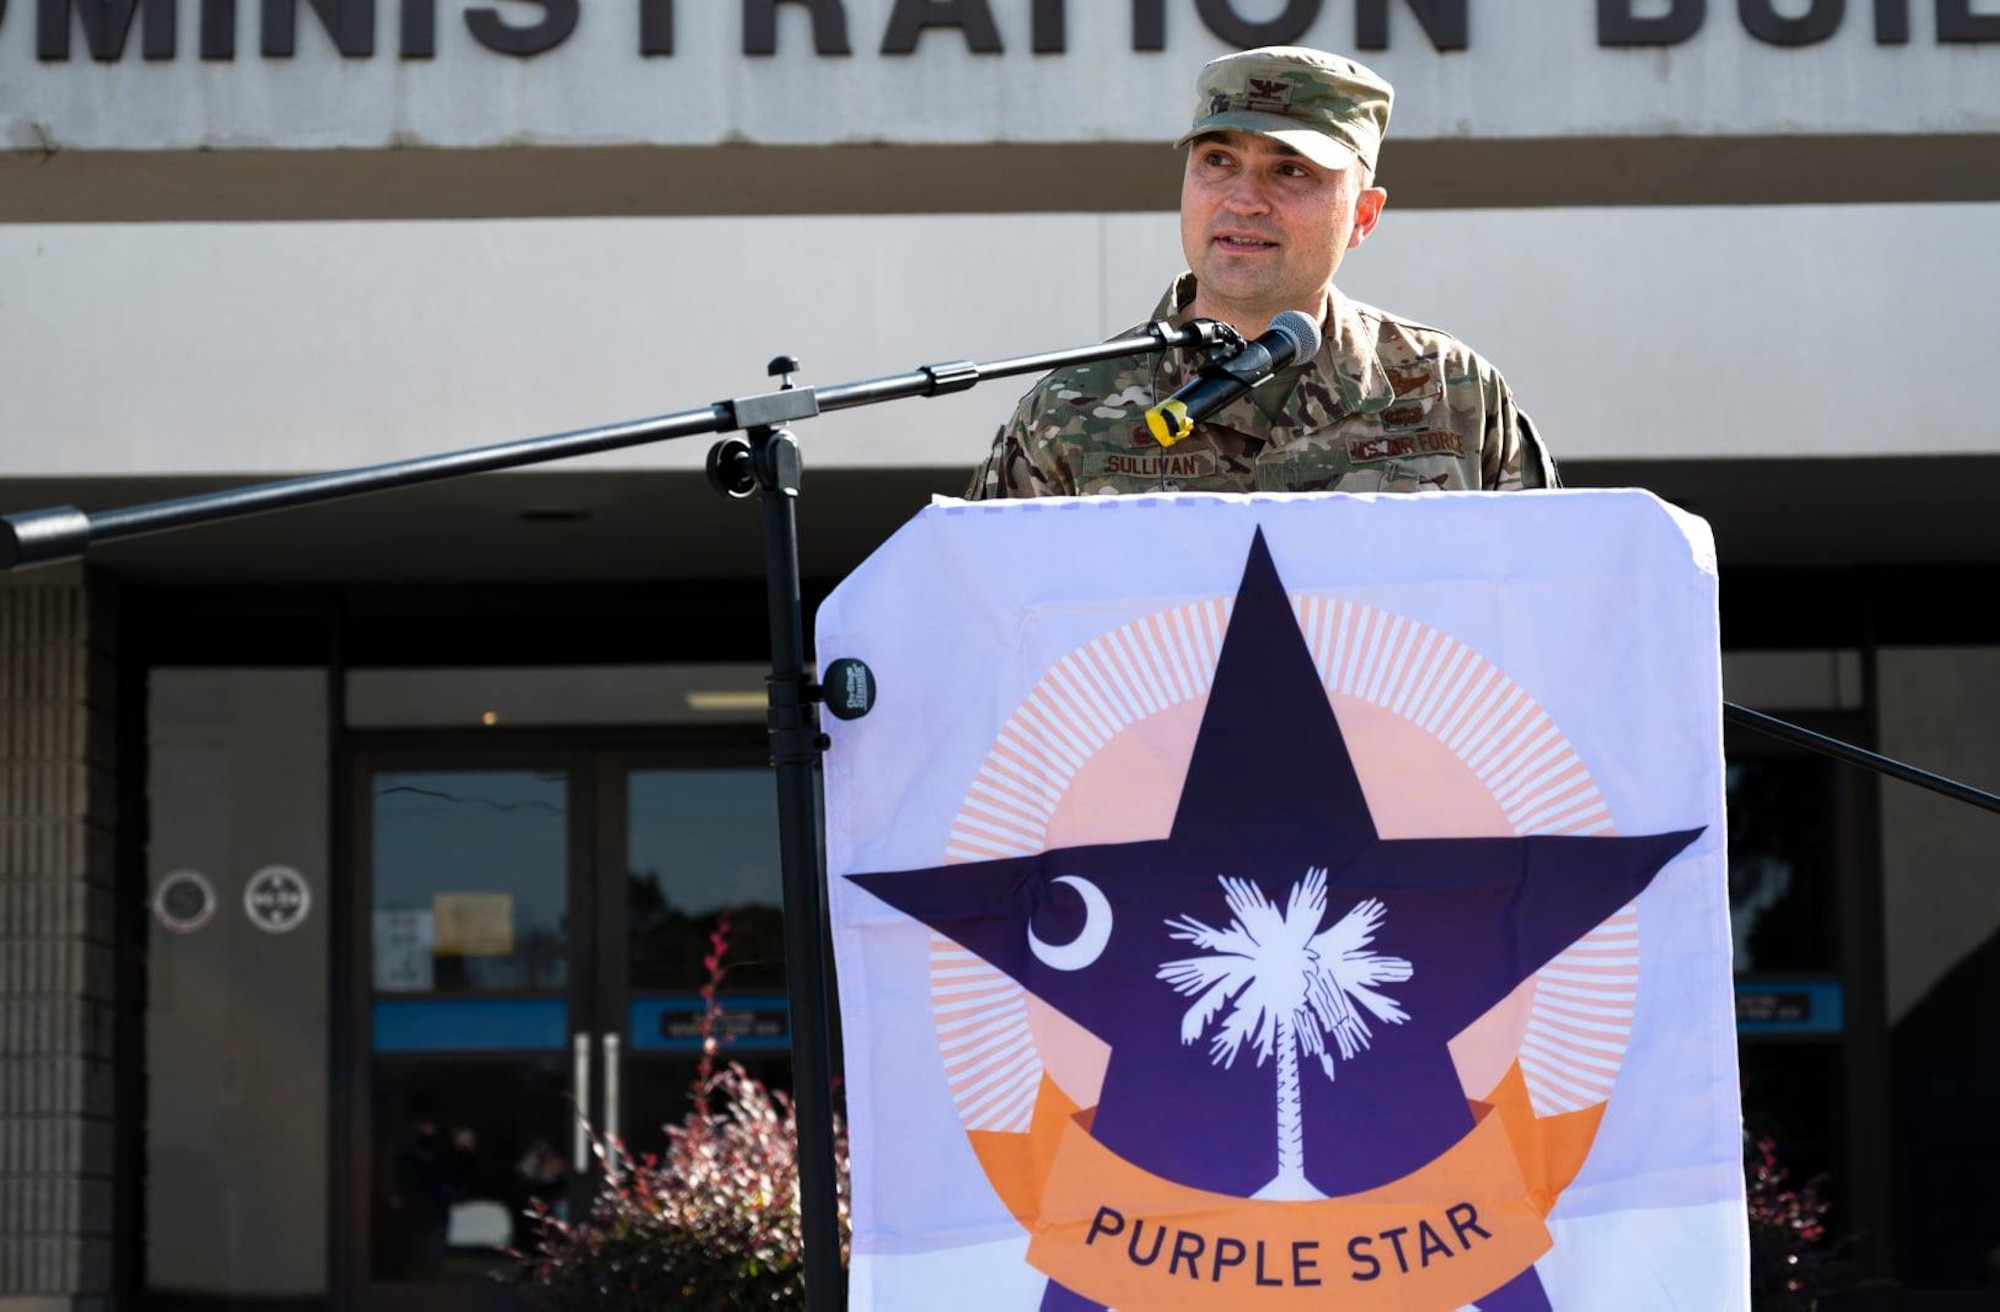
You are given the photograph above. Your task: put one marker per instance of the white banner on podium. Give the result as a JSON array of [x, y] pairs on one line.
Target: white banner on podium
[[1250, 902]]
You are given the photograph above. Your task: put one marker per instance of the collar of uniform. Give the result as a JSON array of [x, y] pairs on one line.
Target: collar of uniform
[[1349, 376], [1348, 358]]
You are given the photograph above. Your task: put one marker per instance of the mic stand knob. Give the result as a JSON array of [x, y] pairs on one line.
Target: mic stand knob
[[732, 467], [1228, 344]]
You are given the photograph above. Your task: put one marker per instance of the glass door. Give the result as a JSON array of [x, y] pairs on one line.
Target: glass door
[[695, 843], [471, 1054], [1808, 1002], [529, 934]]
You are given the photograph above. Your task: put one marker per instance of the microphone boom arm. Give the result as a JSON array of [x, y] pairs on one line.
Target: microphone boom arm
[[63, 533]]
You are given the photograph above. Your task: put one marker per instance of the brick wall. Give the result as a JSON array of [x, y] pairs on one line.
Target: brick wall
[[57, 974]]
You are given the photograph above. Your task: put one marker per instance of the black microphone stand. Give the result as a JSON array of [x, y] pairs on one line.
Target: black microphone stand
[[766, 462]]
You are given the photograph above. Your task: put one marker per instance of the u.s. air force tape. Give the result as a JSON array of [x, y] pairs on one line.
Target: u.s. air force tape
[[1168, 422]]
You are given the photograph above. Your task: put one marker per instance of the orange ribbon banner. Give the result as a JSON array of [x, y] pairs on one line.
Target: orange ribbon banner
[[1432, 1241]]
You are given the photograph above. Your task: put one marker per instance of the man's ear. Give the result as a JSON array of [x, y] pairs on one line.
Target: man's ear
[[1367, 213]]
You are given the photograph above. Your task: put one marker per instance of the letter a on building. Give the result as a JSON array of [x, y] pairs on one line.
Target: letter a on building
[[1288, 902]]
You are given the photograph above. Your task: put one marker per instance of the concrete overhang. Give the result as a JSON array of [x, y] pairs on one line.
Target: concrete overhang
[[232, 185]]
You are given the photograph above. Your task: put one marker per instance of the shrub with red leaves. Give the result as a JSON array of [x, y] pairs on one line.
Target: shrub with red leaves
[[712, 1225], [1791, 1261]]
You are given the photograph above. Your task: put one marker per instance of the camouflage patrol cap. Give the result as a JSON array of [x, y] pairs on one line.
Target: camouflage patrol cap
[[1327, 107]]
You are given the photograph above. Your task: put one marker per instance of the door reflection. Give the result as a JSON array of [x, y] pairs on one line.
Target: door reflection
[[463, 1148], [1785, 923], [701, 854], [470, 1097], [701, 847], [469, 881]]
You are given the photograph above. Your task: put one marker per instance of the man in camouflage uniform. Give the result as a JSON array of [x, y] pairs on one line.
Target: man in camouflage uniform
[[1279, 185]]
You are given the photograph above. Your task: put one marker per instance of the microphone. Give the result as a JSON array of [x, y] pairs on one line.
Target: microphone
[[1292, 336]]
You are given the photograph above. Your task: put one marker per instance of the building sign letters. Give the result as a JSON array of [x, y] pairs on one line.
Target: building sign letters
[[354, 26]]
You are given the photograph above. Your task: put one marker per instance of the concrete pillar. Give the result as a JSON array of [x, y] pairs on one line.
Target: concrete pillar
[[57, 971]]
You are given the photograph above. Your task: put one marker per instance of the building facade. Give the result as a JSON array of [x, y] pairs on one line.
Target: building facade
[[340, 845]]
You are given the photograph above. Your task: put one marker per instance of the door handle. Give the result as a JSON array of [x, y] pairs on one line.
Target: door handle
[[611, 1073], [580, 1088]]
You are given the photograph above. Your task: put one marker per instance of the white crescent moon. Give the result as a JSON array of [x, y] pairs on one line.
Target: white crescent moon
[[1087, 946]]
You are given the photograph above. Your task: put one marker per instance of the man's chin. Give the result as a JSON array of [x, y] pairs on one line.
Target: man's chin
[[1236, 299], [1228, 278]]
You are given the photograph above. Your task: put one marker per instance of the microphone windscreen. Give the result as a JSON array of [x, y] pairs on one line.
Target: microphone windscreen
[[1300, 327]]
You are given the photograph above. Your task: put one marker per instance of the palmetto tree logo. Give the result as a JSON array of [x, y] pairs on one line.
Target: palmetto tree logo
[[1287, 986]]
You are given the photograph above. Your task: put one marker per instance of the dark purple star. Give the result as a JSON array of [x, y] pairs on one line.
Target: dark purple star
[[1271, 792]]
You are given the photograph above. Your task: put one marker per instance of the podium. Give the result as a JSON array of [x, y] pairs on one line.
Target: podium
[[1287, 901]]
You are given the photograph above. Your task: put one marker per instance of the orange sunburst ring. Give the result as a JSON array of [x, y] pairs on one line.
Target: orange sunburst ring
[[1445, 744]]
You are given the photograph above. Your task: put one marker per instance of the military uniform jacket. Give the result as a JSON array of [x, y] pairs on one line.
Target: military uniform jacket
[[1386, 406]]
